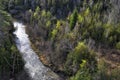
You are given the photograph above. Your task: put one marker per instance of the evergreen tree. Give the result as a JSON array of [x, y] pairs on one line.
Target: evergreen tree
[[73, 19]]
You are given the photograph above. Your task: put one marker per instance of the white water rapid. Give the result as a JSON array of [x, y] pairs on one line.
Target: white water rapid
[[35, 69]]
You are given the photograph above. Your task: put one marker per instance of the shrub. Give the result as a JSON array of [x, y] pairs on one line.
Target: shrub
[[83, 73], [81, 52], [118, 45]]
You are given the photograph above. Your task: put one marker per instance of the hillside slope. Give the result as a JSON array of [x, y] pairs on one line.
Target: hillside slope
[[77, 39]]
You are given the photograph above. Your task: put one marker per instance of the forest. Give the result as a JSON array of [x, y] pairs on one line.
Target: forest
[[76, 39]]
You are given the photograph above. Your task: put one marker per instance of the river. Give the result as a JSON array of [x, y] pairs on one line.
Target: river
[[34, 67]]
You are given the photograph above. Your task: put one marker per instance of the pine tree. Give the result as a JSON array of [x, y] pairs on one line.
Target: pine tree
[[73, 19]]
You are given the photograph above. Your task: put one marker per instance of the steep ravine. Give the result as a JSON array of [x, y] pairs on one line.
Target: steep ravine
[[33, 66]]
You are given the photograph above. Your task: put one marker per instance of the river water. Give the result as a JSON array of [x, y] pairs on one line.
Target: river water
[[35, 69]]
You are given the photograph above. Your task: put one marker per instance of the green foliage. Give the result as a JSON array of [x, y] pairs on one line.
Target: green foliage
[[55, 31], [111, 34], [58, 25], [10, 60], [3, 4], [80, 18], [73, 19], [118, 45], [80, 53], [83, 73], [87, 11], [91, 25], [5, 19], [48, 23], [43, 13], [36, 14], [19, 2]]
